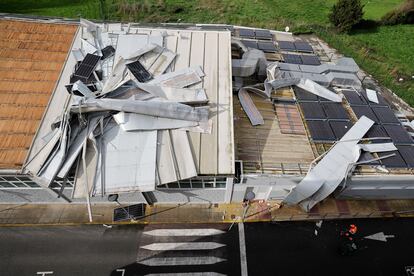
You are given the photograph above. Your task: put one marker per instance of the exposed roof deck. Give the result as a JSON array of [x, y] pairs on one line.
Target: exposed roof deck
[[31, 58], [269, 148]]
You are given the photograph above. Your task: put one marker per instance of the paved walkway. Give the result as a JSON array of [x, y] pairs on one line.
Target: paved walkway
[[46, 214]]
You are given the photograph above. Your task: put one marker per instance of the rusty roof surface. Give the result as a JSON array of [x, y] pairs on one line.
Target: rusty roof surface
[[31, 57]]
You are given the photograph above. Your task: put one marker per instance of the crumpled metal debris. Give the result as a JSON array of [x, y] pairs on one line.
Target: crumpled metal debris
[[108, 136]]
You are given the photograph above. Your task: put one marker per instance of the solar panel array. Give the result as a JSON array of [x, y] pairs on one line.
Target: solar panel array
[[385, 115], [320, 131], [386, 125], [301, 59], [304, 47], [87, 66], [335, 111], [313, 111], [295, 46], [381, 100], [407, 153], [303, 95], [395, 161], [404, 157], [365, 111], [286, 46], [339, 128], [139, 71], [377, 131], [354, 98], [293, 59], [250, 43], [263, 34], [256, 34], [267, 46], [327, 121], [310, 60], [380, 113], [107, 52], [248, 33], [398, 134]]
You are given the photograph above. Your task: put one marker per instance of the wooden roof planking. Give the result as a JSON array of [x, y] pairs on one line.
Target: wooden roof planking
[[31, 58], [264, 148]]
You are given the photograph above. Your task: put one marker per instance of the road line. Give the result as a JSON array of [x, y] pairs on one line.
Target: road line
[[242, 242], [208, 260], [184, 232], [183, 246]]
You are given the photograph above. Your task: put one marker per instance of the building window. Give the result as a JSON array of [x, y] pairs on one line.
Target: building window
[[196, 183], [24, 182], [17, 182]]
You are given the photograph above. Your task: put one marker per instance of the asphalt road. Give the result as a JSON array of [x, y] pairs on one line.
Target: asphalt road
[[294, 249], [271, 249]]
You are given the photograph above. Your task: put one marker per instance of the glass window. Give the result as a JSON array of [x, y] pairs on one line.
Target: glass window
[[185, 185], [55, 185], [173, 185], [24, 178], [196, 184], [221, 184], [9, 178], [32, 184], [209, 184], [19, 184], [162, 186], [6, 185]]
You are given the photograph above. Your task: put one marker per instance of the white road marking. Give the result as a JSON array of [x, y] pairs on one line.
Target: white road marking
[[242, 242], [183, 246], [184, 232], [121, 270], [379, 237], [43, 273], [207, 260]]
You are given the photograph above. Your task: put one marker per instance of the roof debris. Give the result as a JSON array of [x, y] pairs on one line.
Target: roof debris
[[117, 124]]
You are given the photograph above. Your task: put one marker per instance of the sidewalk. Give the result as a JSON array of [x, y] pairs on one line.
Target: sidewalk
[[69, 214]]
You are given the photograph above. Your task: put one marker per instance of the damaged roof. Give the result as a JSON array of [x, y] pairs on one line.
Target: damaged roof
[[147, 106], [32, 55]]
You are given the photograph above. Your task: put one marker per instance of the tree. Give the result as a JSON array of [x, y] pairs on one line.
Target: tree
[[345, 14]]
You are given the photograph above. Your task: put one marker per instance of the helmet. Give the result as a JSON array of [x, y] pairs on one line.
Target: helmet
[[353, 229]]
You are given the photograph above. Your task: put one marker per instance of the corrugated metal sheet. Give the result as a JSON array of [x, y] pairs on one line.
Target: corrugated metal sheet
[[31, 57], [211, 50]]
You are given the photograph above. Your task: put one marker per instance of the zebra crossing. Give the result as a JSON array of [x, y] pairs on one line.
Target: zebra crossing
[[188, 251]]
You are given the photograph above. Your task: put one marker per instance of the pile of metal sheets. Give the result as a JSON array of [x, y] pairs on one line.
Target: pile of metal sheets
[[129, 133]]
